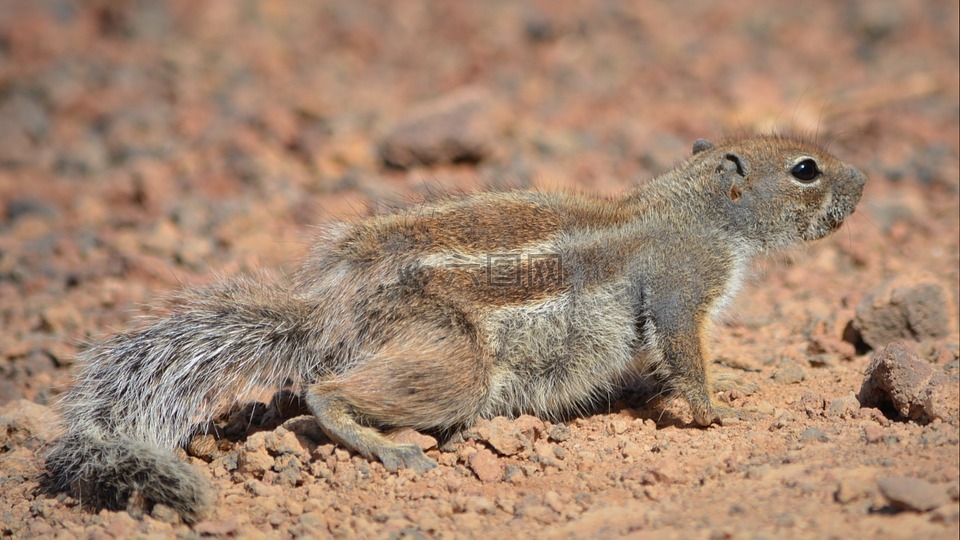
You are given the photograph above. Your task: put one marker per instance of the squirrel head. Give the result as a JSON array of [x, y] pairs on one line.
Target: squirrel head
[[778, 190]]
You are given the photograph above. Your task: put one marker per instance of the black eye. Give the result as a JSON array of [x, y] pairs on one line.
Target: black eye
[[805, 171]]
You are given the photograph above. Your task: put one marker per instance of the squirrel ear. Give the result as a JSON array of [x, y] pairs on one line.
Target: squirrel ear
[[732, 163], [700, 145], [733, 169]]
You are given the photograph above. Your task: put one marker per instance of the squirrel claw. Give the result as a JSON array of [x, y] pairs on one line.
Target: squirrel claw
[[729, 415], [722, 415], [408, 456]]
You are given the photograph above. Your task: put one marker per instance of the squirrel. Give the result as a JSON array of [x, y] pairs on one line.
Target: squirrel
[[430, 317]]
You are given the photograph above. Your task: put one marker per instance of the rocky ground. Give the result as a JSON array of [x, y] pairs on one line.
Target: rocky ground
[[145, 145]]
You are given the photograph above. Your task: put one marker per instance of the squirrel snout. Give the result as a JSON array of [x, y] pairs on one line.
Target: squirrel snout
[[852, 187], [857, 178]]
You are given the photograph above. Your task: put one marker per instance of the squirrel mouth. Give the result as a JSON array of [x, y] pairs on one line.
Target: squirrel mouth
[[835, 217], [826, 224]]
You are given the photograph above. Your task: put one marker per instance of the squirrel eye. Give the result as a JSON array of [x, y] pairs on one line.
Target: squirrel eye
[[805, 171]]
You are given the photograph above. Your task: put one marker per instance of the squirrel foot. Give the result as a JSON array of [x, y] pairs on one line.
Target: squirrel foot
[[408, 456], [708, 412], [338, 420], [450, 445], [726, 381], [722, 414], [731, 383], [725, 414]]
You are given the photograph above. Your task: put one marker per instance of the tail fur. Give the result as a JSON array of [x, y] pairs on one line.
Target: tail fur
[[104, 473], [140, 393]]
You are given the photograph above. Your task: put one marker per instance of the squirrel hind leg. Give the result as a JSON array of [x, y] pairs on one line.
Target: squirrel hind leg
[[339, 421], [426, 378]]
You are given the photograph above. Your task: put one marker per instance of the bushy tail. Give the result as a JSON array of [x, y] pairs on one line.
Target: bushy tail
[[140, 393], [104, 473]]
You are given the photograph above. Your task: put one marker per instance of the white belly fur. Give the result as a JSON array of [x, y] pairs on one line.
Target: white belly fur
[[559, 354]]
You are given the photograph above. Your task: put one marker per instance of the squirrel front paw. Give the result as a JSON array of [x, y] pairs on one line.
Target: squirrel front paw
[[726, 382], [729, 415], [716, 413]]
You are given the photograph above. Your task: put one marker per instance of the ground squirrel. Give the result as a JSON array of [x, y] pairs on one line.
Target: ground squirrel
[[436, 315]]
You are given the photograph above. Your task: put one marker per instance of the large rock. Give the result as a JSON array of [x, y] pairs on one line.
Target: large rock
[[914, 308], [25, 423], [898, 379], [913, 493], [458, 127]]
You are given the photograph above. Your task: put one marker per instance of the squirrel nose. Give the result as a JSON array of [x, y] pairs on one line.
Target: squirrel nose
[[856, 177]]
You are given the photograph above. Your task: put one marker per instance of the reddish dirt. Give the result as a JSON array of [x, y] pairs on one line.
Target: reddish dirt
[[146, 145]]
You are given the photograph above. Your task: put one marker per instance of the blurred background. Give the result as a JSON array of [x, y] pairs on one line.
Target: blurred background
[[149, 144], [145, 143]]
